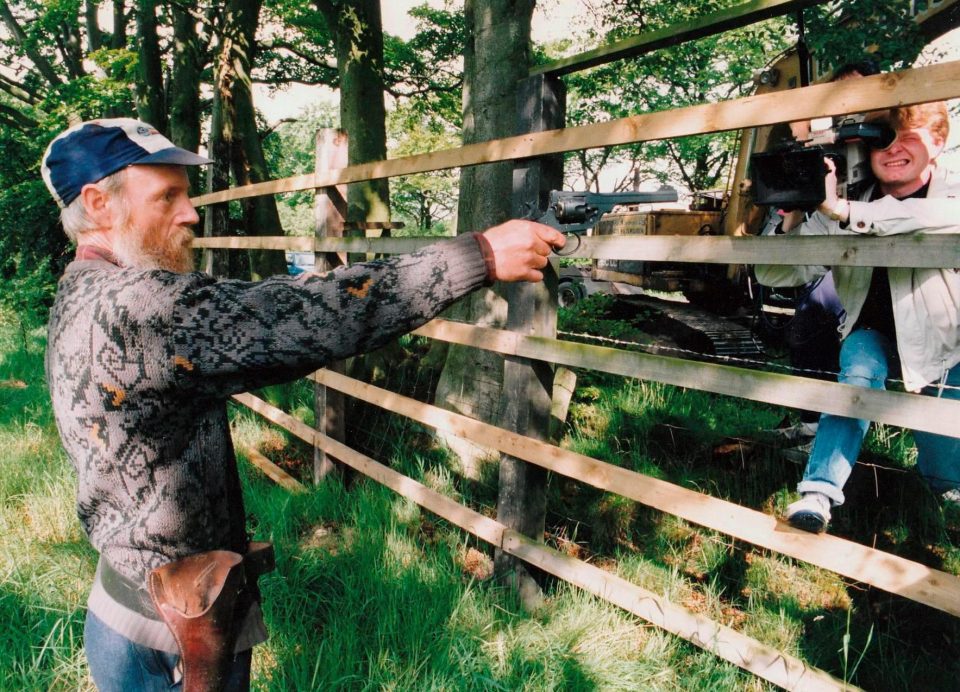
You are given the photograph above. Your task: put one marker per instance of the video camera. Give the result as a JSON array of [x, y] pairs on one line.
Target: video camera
[[792, 175]]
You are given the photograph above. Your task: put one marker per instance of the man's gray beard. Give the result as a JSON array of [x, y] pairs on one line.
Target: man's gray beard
[[130, 251]]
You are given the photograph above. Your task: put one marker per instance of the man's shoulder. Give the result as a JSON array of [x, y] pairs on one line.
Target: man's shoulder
[[108, 289], [945, 182]]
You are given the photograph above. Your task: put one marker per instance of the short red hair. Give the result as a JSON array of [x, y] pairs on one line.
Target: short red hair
[[931, 116]]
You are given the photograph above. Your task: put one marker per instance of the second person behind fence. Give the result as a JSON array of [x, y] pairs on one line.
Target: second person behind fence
[[899, 321]]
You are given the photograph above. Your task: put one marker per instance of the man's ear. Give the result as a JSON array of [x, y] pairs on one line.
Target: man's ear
[[96, 203]]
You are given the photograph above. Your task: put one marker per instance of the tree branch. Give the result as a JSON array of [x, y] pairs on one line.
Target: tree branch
[[280, 44], [42, 64], [17, 118], [19, 91]]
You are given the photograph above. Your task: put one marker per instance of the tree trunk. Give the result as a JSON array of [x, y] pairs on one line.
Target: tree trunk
[[239, 129], [120, 18], [358, 30], [94, 35], [150, 99], [215, 219], [184, 95], [496, 57]]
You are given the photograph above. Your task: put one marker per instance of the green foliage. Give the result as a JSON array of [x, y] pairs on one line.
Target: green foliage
[[842, 32], [425, 202], [27, 291], [600, 315], [708, 70], [32, 251], [290, 150]]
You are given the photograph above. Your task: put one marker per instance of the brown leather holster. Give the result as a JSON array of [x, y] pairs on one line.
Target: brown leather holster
[[203, 599]]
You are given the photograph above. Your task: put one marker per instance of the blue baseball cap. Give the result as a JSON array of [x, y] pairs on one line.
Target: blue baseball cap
[[92, 150]]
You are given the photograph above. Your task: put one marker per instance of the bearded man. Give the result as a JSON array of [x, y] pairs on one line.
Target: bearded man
[[142, 357]]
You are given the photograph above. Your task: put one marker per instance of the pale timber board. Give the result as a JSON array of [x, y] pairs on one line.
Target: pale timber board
[[725, 642], [762, 660], [701, 27], [477, 524], [926, 413], [885, 571], [271, 470], [931, 83], [907, 250]]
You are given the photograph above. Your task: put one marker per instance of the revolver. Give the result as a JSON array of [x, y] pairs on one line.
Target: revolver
[[578, 212]]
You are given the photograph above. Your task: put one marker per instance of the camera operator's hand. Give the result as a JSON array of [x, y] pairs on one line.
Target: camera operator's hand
[[833, 206]]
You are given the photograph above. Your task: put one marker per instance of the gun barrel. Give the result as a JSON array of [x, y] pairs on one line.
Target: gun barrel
[[612, 199]]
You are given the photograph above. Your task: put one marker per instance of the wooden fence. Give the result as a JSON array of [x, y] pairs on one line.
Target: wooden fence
[[860, 563]]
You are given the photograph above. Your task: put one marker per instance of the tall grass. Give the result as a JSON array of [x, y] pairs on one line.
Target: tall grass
[[372, 593]]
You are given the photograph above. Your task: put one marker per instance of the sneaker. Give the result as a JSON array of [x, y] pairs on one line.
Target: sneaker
[[810, 513]]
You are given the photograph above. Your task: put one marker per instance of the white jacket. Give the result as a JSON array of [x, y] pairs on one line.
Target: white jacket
[[926, 302]]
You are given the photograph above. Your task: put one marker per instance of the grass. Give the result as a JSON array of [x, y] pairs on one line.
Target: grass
[[372, 593]]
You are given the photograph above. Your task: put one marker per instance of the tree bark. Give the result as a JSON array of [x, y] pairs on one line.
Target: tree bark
[[120, 19], [94, 34], [184, 93], [249, 165], [150, 97], [43, 66], [358, 30], [496, 57]]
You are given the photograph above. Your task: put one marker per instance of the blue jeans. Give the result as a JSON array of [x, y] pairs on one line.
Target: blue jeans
[[119, 665], [865, 358]]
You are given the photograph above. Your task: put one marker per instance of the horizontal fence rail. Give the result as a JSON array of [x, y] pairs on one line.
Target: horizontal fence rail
[[762, 660], [894, 408], [918, 250], [864, 564], [932, 83]]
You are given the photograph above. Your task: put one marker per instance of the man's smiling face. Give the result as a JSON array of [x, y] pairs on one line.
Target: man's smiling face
[[905, 166]]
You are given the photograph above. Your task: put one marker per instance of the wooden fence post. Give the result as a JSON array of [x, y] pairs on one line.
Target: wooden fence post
[[216, 216], [528, 385], [330, 208]]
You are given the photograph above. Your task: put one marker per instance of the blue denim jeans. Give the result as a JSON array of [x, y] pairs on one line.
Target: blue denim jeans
[[865, 359], [119, 665]]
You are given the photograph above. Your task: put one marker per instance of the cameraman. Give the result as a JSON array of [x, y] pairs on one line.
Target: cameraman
[[813, 336], [898, 320]]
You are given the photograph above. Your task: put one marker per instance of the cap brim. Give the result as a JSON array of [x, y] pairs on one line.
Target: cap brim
[[173, 156]]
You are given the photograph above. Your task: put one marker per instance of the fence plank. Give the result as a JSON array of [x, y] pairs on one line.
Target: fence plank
[[885, 571], [931, 83], [910, 250], [762, 660], [701, 27], [271, 470], [894, 408]]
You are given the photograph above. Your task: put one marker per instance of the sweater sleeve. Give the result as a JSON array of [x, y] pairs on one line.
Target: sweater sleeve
[[230, 336]]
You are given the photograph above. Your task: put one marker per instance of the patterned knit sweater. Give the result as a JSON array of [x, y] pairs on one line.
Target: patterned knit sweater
[[140, 364]]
